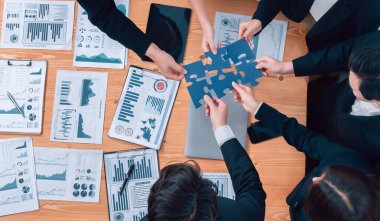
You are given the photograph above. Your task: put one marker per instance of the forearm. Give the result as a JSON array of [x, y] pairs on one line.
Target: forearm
[[266, 11], [200, 9], [105, 15]]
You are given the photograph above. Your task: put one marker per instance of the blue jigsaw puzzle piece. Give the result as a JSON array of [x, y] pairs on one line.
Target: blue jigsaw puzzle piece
[[221, 85], [249, 71], [218, 61], [237, 49], [197, 92], [195, 71]]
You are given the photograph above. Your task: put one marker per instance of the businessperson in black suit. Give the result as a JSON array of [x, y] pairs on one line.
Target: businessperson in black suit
[[349, 112], [181, 193], [341, 188], [105, 15]]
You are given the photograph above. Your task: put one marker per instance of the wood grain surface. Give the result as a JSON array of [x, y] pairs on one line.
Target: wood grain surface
[[280, 166]]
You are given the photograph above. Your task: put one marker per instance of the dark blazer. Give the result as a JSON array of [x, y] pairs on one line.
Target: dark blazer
[[314, 146], [346, 19], [105, 15], [249, 203], [331, 114], [335, 58]]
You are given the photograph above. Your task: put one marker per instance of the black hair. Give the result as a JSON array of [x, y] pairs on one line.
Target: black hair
[[365, 63], [181, 194], [344, 193]]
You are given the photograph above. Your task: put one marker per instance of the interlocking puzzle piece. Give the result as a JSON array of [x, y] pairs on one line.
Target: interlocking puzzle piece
[[195, 71], [222, 82], [218, 61], [197, 91], [237, 49], [247, 69]]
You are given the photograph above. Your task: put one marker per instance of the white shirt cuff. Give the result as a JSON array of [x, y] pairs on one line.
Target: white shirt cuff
[[257, 110], [223, 134]]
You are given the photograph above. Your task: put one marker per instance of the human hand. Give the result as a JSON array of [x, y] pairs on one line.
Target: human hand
[[208, 40], [166, 64], [274, 66], [248, 29], [217, 110], [244, 96]]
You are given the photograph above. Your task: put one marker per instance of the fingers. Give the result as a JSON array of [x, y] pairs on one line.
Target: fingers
[[265, 59], [263, 65], [238, 88], [242, 30], [207, 110], [209, 102]]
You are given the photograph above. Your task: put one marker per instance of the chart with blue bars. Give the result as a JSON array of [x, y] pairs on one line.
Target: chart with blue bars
[[142, 169], [130, 98], [65, 92], [120, 201], [154, 105], [45, 32]]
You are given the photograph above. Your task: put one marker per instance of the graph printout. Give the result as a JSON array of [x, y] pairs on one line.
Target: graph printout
[[132, 203], [37, 24], [79, 104], [25, 81], [17, 177], [68, 174], [223, 183], [93, 48], [144, 108], [270, 41]]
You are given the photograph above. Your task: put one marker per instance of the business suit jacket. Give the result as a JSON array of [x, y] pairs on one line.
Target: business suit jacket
[[330, 115], [314, 146], [105, 15], [346, 19], [249, 203]]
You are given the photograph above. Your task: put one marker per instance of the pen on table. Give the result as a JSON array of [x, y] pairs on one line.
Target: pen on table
[[130, 169], [15, 103]]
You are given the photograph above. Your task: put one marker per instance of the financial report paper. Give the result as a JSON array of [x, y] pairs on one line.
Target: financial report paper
[[37, 24]]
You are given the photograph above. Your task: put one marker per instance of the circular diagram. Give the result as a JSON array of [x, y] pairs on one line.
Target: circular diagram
[[129, 132], [119, 129], [160, 86]]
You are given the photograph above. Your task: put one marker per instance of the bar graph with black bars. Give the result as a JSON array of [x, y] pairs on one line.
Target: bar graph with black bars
[[130, 98], [142, 170], [139, 216], [120, 201], [65, 92], [37, 32]]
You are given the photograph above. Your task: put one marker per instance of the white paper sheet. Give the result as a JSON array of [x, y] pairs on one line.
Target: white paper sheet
[[93, 48], [132, 204], [18, 191], [37, 24], [270, 42], [223, 183], [68, 174], [144, 108], [79, 104], [26, 83]]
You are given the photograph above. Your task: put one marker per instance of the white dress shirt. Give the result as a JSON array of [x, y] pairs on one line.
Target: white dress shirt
[[224, 133], [320, 7], [363, 108]]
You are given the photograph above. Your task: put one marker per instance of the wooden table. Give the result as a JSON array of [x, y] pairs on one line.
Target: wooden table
[[280, 166]]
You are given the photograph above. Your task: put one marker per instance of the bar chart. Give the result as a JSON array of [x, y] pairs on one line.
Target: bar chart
[[65, 92], [120, 201], [142, 170], [154, 105], [43, 32]]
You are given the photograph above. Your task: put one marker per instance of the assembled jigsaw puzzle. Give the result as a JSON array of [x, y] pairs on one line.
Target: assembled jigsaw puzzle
[[213, 74]]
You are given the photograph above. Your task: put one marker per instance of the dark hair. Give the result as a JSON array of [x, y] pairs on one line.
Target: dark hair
[[345, 194], [182, 194], [365, 63]]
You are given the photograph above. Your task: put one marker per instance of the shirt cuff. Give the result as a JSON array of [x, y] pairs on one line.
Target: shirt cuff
[[223, 134], [257, 110]]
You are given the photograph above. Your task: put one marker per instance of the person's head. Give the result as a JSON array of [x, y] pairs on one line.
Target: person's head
[[364, 66], [343, 193], [181, 194]]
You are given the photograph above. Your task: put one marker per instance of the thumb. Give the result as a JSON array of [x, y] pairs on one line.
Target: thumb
[[209, 102], [178, 69], [238, 88], [213, 48], [262, 65]]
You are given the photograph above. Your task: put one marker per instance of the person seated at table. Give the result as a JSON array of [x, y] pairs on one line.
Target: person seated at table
[[340, 21], [340, 188], [180, 193], [105, 15]]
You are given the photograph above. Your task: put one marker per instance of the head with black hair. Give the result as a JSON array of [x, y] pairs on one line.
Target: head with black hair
[[343, 193], [181, 194], [364, 65]]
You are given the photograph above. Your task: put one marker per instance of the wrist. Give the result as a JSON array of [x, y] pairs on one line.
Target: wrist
[[288, 67], [153, 51], [255, 105], [218, 125]]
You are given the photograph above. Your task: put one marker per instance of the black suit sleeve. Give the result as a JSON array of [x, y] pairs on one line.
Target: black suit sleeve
[[267, 10], [335, 58], [314, 145], [249, 192], [105, 15]]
